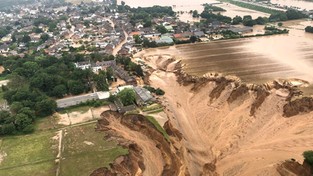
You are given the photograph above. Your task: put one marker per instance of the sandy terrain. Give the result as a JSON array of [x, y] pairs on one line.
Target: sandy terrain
[[79, 117], [153, 158], [1, 69], [226, 133]]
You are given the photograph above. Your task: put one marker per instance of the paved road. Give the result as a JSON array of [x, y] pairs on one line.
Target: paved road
[[71, 101]]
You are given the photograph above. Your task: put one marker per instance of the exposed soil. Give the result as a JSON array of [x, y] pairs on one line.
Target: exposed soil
[[239, 127], [149, 152], [217, 126]]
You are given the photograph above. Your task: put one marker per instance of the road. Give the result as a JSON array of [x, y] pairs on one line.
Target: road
[[119, 46]]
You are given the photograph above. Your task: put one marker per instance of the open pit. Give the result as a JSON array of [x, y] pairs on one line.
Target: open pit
[[219, 125]]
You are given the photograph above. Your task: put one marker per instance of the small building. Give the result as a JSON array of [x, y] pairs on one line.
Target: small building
[[165, 39], [76, 100], [143, 96]]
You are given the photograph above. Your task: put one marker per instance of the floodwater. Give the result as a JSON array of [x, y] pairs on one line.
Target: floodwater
[[254, 60], [187, 5], [296, 3]]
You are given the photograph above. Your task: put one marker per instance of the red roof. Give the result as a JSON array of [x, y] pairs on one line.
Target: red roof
[[135, 33], [177, 35]]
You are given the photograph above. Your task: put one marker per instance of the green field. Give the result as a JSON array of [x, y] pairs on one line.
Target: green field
[[35, 154], [29, 155], [83, 145]]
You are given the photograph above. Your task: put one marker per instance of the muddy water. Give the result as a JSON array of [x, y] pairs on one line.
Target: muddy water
[[255, 60], [296, 3], [187, 5]]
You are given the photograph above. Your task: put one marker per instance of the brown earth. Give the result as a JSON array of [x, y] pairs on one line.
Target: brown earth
[[217, 126], [149, 151], [241, 128]]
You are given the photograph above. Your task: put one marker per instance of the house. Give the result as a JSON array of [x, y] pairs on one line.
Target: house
[[4, 48], [83, 65], [165, 39], [241, 30], [143, 96], [121, 108], [199, 34]]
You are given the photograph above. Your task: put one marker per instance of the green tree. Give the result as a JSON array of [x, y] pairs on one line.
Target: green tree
[[76, 87], [44, 37], [46, 107], [22, 121], [248, 21], [159, 91], [195, 14], [59, 91], [309, 29], [237, 20], [308, 157], [161, 29], [127, 96], [193, 39], [261, 20], [26, 39]]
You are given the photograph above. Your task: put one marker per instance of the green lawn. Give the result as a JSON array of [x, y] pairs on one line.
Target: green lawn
[[29, 154], [85, 150], [81, 109], [83, 145]]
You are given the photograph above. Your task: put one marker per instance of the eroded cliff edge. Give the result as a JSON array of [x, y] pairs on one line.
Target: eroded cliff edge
[[219, 125]]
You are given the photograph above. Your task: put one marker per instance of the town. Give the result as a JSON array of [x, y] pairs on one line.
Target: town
[[93, 81]]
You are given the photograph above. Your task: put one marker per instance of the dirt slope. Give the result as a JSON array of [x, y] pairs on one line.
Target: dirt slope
[[243, 132]]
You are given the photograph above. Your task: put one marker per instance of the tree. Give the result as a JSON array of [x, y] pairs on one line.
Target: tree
[[46, 107], [248, 21], [161, 29], [26, 39], [159, 91], [76, 87], [147, 23], [195, 14], [22, 121], [123, 3], [44, 37], [280, 24], [137, 39], [309, 29], [237, 20], [308, 157], [127, 96], [59, 91], [193, 39], [261, 20]]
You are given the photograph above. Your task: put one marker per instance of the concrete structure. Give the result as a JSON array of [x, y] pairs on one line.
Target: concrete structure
[[165, 39], [72, 101], [143, 96]]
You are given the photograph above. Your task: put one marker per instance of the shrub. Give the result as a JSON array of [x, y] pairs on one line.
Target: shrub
[[308, 157]]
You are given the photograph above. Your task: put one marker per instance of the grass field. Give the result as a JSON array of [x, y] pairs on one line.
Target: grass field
[[82, 145], [28, 155], [35, 154]]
